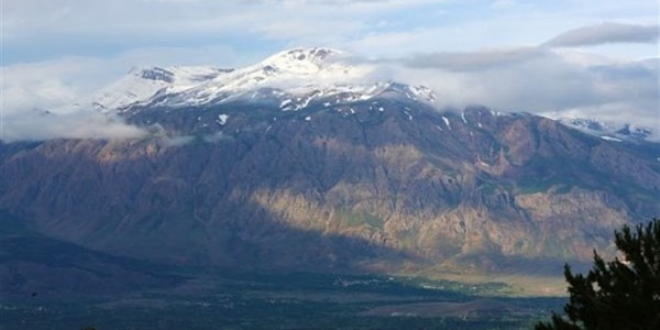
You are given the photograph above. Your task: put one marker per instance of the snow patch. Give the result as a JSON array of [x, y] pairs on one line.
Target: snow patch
[[446, 121], [609, 138], [285, 103], [222, 119]]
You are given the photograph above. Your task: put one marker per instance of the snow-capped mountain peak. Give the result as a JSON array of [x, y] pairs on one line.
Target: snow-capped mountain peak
[[321, 62], [295, 68], [153, 73], [294, 78], [298, 58], [141, 83]]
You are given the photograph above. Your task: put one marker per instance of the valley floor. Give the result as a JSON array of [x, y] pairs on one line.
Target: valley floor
[[225, 300]]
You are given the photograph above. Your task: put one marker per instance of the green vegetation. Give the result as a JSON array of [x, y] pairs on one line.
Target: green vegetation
[[620, 294]]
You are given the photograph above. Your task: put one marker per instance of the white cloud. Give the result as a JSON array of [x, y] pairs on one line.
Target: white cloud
[[160, 18], [34, 126]]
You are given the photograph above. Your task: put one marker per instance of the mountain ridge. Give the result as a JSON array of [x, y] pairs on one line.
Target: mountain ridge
[[443, 187], [335, 183]]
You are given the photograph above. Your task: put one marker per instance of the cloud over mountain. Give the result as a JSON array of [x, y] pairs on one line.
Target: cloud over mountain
[[542, 81], [38, 125]]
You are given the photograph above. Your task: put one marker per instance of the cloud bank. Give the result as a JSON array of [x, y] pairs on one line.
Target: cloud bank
[[607, 33], [551, 79], [471, 61], [542, 81]]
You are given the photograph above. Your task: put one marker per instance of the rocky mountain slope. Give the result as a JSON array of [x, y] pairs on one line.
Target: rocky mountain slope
[[253, 168]]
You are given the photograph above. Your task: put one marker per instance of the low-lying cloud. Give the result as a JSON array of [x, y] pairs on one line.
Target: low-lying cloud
[[550, 78], [37, 126]]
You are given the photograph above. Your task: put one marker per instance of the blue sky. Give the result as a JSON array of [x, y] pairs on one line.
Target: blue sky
[[54, 51]]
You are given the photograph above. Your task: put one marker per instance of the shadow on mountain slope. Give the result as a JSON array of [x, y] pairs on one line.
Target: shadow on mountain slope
[[397, 190]]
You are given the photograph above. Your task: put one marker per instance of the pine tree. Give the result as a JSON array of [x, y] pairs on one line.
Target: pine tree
[[621, 294]]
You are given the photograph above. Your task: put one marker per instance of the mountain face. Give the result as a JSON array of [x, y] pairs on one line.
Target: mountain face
[[287, 165]]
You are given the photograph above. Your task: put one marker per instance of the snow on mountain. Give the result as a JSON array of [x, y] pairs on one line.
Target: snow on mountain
[[291, 79], [142, 83], [608, 130]]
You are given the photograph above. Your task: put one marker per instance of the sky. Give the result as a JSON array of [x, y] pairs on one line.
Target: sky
[[596, 59]]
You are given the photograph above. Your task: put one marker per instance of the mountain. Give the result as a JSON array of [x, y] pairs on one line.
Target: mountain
[[308, 161], [292, 79], [142, 83], [36, 266], [610, 131]]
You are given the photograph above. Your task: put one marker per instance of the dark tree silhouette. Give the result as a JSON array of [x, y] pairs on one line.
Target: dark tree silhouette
[[621, 294]]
